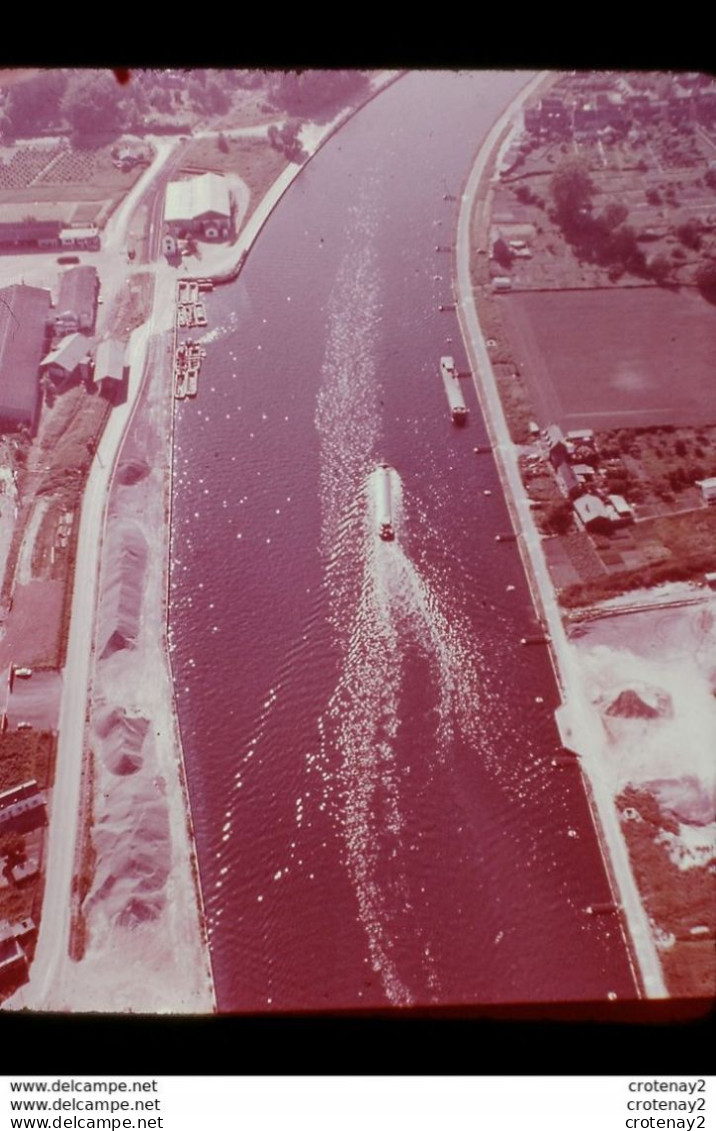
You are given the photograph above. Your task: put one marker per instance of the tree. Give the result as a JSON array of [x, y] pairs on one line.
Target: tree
[[659, 268], [706, 280], [285, 140], [559, 517], [92, 105], [161, 100], [572, 189], [14, 850], [689, 235], [216, 98], [36, 103], [501, 252], [310, 94], [615, 214]]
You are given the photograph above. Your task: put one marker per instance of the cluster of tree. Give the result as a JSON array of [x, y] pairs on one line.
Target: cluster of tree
[[285, 140], [600, 237], [89, 103], [93, 104], [528, 196], [558, 517], [588, 592], [681, 477], [312, 94], [35, 104]]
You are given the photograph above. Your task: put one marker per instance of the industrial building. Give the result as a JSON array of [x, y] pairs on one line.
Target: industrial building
[[80, 239], [708, 491], [109, 369], [24, 315], [28, 234], [77, 301], [201, 206], [69, 361], [14, 940]]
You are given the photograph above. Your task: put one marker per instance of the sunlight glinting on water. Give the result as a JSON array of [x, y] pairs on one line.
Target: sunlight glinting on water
[[379, 602]]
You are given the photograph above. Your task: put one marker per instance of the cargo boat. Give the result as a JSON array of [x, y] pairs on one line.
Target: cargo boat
[[451, 381], [384, 510]]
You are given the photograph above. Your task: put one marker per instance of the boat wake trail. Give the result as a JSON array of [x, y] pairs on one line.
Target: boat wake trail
[[381, 607]]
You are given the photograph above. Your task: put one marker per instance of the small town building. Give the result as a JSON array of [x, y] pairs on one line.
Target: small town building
[[29, 868], [29, 234], [710, 579], [80, 239], [583, 471], [568, 481], [708, 491], [109, 369], [201, 206], [69, 362], [30, 813], [18, 793], [24, 314], [623, 511], [581, 436], [125, 157], [77, 302], [12, 957], [595, 515], [502, 283], [556, 445]]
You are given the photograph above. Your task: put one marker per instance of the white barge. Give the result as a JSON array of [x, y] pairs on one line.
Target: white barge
[[384, 504], [451, 381]]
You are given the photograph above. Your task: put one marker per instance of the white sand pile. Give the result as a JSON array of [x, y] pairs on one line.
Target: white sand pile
[[145, 942], [652, 676], [130, 471], [121, 740], [125, 566], [133, 844]]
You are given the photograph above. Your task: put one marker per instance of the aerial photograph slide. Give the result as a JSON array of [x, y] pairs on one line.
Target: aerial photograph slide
[[357, 542]]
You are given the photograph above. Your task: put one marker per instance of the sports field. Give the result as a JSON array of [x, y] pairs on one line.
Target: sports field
[[628, 357]]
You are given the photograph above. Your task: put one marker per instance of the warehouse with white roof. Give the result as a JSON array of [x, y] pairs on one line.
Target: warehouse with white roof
[[201, 206]]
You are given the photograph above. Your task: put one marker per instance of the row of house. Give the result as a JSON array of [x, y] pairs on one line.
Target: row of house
[[37, 339], [559, 115], [45, 235], [569, 455], [14, 939]]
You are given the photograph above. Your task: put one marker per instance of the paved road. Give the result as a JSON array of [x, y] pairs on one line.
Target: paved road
[[579, 714]]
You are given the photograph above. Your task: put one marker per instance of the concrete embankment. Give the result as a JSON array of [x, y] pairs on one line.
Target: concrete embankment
[[578, 720]]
